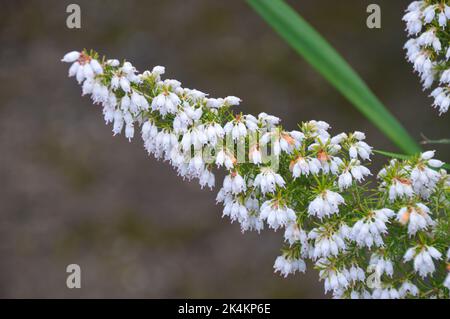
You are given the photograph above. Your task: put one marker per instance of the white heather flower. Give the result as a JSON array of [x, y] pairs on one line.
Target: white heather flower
[[149, 131], [234, 183], [369, 230], [129, 131], [359, 147], [385, 293], [363, 294], [441, 98], [423, 177], [214, 103], [417, 217], [282, 141], [325, 151], [118, 122], [251, 122], [100, 93], [423, 259], [88, 87], [124, 84], [252, 223], [357, 273], [336, 280], [413, 17], [187, 116], [325, 204], [139, 100], [214, 132], [293, 234], [429, 38], [400, 188], [447, 281], [163, 145], [83, 67], [381, 265], [252, 220], [353, 169], [71, 57], [304, 166], [166, 103], [287, 266], [426, 23], [325, 243], [268, 121], [207, 178], [338, 139], [267, 180], [318, 129], [407, 288], [130, 72], [362, 149], [196, 137], [223, 157], [158, 70], [254, 154], [232, 100], [194, 95], [445, 77], [96, 67], [236, 129], [113, 62], [276, 214], [345, 180], [235, 210]]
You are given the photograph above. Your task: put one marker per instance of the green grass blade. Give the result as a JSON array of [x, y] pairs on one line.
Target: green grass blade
[[315, 49], [392, 155]]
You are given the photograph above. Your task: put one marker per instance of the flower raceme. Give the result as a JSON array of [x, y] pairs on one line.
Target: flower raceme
[[367, 242], [428, 49]]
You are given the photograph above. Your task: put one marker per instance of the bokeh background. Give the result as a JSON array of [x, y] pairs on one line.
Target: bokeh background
[[70, 193]]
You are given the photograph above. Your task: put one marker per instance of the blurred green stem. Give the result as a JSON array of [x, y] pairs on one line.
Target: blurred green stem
[[401, 157]]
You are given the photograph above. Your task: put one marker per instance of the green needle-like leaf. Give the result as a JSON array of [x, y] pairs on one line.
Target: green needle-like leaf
[[315, 49]]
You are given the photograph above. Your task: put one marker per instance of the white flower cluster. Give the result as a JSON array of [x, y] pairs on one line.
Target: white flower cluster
[[338, 280], [369, 231], [325, 204], [423, 259], [407, 181], [416, 217], [286, 266], [381, 265], [313, 193], [326, 243], [428, 49]]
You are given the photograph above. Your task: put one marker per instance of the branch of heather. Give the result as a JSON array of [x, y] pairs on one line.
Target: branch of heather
[[389, 240]]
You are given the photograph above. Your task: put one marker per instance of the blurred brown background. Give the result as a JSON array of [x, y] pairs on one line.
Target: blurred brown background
[[73, 194]]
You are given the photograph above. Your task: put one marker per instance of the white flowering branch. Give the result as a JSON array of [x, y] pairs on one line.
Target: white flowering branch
[[385, 241], [429, 47]]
